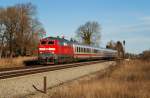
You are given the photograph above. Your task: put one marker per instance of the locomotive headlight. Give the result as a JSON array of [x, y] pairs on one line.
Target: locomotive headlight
[[50, 48], [41, 48]]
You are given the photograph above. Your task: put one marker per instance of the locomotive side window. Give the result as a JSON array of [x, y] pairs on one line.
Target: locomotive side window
[[43, 42], [51, 42]]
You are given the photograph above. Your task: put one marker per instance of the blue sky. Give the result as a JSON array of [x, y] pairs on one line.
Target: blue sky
[[119, 19]]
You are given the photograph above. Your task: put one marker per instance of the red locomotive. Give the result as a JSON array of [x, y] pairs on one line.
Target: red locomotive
[[53, 50]]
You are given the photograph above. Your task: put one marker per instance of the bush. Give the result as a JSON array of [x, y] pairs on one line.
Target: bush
[[146, 55]]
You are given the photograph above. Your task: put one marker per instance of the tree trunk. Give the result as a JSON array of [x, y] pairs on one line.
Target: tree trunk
[[10, 46], [1, 47]]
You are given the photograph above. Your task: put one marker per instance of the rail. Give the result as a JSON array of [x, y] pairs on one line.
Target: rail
[[32, 70]]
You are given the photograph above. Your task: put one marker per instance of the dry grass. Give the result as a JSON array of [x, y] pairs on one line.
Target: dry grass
[[14, 62], [131, 79]]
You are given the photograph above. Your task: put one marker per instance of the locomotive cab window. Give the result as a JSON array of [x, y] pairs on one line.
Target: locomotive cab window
[[51, 42], [43, 42]]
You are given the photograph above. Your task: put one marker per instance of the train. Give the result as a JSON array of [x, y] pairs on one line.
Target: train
[[56, 50]]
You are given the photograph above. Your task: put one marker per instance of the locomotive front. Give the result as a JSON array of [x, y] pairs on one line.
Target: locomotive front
[[47, 50]]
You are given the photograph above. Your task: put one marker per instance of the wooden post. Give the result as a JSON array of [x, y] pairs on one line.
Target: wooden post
[[44, 86]]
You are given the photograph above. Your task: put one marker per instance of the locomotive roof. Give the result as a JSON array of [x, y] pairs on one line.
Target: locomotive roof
[[56, 38]]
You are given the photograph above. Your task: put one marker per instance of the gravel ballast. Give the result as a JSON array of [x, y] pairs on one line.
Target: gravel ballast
[[21, 86]]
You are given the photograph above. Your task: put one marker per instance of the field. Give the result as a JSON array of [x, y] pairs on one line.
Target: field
[[129, 79], [14, 62]]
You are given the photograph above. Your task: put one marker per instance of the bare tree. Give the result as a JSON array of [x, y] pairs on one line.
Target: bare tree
[[120, 49], [2, 38], [29, 26], [145, 55], [2, 32], [117, 46], [19, 29], [8, 20], [24, 34], [111, 45], [89, 33]]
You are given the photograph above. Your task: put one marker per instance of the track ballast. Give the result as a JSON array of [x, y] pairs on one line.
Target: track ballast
[[32, 70]]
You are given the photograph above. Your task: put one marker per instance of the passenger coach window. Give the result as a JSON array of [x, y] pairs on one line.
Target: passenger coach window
[[84, 50], [76, 49], [79, 49], [88, 50], [51, 42]]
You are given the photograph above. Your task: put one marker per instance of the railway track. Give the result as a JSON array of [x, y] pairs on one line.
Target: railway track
[[32, 70]]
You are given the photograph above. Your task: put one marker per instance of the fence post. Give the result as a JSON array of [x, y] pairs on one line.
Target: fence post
[[44, 86]]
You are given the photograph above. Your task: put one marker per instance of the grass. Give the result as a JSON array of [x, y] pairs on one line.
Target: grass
[[130, 79], [14, 62]]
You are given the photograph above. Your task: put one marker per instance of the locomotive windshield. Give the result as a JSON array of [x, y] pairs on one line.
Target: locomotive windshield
[[50, 42], [43, 42], [47, 42]]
